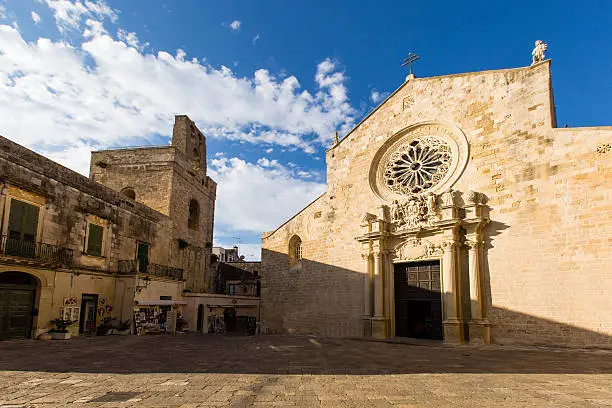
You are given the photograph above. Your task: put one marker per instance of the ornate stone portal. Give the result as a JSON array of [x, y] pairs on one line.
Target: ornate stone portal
[[423, 222]]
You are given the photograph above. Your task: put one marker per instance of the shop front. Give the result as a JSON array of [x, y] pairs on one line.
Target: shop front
[[159, 317]]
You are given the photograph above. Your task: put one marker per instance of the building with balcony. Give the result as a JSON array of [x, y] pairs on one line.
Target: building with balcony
[[226, 254], [232, 303], [138, 230]]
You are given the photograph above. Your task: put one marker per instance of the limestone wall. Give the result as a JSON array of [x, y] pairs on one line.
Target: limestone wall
[[549, 196]]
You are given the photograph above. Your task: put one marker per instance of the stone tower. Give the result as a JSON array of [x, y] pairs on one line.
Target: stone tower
[[172, 180]]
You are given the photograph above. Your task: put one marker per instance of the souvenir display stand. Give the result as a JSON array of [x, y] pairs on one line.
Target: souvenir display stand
[[157, 316]]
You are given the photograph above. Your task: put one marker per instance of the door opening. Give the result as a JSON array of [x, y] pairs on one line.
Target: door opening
[[418, 300], [17, 299], [89, 309], [200, 322]]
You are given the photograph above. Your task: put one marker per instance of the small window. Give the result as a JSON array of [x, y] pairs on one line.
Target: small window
[[129, 193], [95, 235], [194, 215], [195, 156], [295, 250]]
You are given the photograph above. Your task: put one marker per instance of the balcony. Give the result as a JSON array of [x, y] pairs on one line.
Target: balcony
[[35, 252], [132, 267]]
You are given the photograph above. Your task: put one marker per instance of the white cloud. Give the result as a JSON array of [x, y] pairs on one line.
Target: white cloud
[[377, 96], [273, 191], [131, 39], [69, 14], [2, 11], [256, 38], [106, 91], [35, 17], [235, 25]]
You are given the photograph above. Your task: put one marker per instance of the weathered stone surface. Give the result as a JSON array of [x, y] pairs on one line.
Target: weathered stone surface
[[549, 196], [297, 371], [164, 180]]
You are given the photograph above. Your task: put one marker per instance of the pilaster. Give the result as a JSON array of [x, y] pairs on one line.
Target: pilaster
[[480, 327], [453, 325]]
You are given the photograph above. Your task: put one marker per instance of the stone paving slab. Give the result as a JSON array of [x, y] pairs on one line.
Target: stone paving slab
[[289, 371]]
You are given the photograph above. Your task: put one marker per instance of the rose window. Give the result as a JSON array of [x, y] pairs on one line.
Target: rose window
[[417, 166]]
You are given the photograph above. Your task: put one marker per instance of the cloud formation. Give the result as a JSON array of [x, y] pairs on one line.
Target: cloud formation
[[274, 192], [35, 17], [235, 25], [108, 91], [377, 96], [69, 14]]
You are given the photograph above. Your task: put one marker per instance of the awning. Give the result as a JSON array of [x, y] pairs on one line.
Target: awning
[[160, 302]]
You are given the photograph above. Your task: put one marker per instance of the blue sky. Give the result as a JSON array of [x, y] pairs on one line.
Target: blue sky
[[268, 81]]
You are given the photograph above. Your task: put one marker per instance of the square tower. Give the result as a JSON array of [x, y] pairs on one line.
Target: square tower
[[172, 180]]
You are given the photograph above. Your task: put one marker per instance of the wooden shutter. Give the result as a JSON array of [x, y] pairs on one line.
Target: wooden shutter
[[23, 221], [94, 240]]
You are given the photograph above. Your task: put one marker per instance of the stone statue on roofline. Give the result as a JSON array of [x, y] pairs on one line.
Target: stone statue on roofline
[[538, 52]]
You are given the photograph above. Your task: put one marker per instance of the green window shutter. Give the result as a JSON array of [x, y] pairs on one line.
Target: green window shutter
[[94, 240], [23, 221]]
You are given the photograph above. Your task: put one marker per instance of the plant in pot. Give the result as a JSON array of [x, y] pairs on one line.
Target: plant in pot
[[104, 326], [60, 332]]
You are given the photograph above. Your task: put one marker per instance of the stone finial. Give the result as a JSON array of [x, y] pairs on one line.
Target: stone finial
[[336, 139], [538, 52]]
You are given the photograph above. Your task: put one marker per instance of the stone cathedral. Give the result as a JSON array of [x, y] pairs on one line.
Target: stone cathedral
[[456, 210]]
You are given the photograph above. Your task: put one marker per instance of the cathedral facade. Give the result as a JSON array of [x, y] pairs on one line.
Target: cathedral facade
[[456, 210]]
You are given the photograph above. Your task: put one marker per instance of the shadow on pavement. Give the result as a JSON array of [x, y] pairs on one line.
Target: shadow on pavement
[[197, 353]]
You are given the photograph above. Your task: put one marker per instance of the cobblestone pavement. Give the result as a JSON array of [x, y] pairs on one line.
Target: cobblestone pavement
[[280, 371]]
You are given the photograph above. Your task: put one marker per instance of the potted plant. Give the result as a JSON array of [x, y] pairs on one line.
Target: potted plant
[[60, 332]]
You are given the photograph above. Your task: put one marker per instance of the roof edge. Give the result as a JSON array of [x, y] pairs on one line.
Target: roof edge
[[268, 234], [490, 71]]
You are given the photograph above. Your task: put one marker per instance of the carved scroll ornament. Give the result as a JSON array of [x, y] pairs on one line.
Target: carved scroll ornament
[[415, 248]]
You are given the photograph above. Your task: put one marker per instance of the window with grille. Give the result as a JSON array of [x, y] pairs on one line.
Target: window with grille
[[295, 250]]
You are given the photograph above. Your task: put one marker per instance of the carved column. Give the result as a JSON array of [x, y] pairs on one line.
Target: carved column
[[367, 294], [480, 327], [390, 293], [367, 311], [378, 322], [453, 331]]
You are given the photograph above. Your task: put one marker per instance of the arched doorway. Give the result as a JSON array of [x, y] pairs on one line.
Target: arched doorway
[[200, 317], [17, 300]]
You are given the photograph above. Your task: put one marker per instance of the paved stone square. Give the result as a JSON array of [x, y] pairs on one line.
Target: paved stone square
[[281, 371]]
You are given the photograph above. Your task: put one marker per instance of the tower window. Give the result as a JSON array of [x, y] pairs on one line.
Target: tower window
[[129, 193], [195, 156], [194, 215]]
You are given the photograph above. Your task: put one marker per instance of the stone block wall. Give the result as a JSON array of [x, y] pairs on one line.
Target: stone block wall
[[549, 195]]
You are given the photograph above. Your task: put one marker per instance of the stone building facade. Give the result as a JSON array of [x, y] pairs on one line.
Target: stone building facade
[[89, 249], [456, 210]]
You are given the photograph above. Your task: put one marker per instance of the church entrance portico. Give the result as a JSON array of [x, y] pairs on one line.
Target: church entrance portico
[[424, 270]]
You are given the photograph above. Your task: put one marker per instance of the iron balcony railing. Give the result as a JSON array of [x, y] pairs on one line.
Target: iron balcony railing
[[131, 267], [37, 252], [245, 288]]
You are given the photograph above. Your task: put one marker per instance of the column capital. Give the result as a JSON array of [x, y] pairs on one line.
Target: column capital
[[474, 244], [448, 245], [365, 256]]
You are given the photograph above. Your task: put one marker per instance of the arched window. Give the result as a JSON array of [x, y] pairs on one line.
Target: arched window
[[295, 250], [194, 215], [129, 193]]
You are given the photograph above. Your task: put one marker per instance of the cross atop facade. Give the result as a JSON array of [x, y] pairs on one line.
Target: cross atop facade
[[409, 60]]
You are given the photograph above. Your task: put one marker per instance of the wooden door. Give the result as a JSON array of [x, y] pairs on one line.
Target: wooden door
[[16, 311], [418, 300]]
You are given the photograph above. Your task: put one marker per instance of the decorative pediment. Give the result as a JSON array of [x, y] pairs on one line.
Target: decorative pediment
[[416, 248]]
